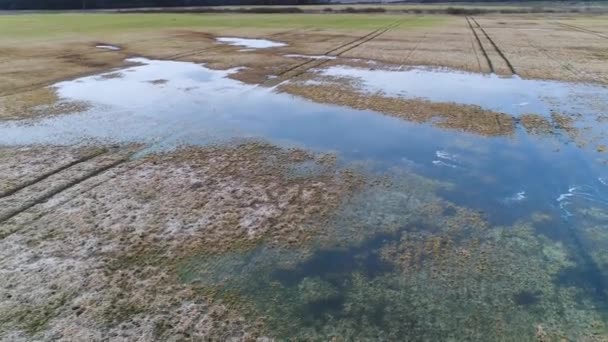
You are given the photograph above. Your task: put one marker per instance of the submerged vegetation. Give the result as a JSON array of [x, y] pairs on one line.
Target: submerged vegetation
[[412, 267]]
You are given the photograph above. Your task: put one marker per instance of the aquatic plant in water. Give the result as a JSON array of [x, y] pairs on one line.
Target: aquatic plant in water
[[399, 263]]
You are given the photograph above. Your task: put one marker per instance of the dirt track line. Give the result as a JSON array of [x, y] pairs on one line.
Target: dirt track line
[[289, 31], [500, 53], [578, 74], [412, 50], [24, 226], [367, 39], [25, 206], [550, 57], [356, 40], [483, 50], [327, 53], [584, 30], [318, 62], [51, 173], [476, 54]]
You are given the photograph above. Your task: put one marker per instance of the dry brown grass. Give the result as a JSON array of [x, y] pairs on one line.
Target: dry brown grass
[[465, 118], [536, 124], [544, 49]]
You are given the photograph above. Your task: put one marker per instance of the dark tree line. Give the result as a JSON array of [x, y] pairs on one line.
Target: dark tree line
[[95, 4]]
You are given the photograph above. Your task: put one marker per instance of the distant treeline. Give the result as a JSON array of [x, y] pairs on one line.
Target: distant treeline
[[289, 6], [98, 4]]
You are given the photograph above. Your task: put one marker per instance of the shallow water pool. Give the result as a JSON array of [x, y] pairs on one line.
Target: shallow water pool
[[250, 43], [478, 234]]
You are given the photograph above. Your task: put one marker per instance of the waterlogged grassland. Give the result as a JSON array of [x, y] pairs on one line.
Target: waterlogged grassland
[[392, 231], [60, 25], [398, 263]]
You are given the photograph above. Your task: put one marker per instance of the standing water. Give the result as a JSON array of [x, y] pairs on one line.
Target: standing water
[[478, 237], [250, 42]]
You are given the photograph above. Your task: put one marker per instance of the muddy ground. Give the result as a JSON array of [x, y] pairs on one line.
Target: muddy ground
[[93, 237]]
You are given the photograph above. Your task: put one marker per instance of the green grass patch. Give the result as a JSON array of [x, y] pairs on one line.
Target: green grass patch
[[32, 26]]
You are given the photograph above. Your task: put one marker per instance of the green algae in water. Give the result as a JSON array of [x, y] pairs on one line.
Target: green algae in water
[[398, 263]]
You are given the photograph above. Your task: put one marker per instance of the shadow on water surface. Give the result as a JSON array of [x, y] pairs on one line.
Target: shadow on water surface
[[332, 264]]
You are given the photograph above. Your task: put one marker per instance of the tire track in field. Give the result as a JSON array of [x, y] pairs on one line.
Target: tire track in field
[[584, 30], [366, 39], [411, 52], [45, 196], [483, 50], [498, 50], [551, 57], [580, 75], [476, 54], [27, 224], [48, 174], [327, 53], [334, 52]]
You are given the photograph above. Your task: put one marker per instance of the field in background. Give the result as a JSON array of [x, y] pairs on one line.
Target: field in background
[[42, 26], [63, 44]]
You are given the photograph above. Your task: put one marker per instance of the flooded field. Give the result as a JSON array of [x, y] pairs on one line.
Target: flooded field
[[338, 198], [475, 200]]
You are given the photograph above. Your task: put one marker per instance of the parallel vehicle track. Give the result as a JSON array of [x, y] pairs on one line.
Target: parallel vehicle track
[[498, 50], [483, 50], [7, 227], [411, 52], [303, 67], [48, 174], [34, 193], [584, 30]]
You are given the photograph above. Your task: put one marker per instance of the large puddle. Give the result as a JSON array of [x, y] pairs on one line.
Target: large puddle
[[545, 198], [512, 95]]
